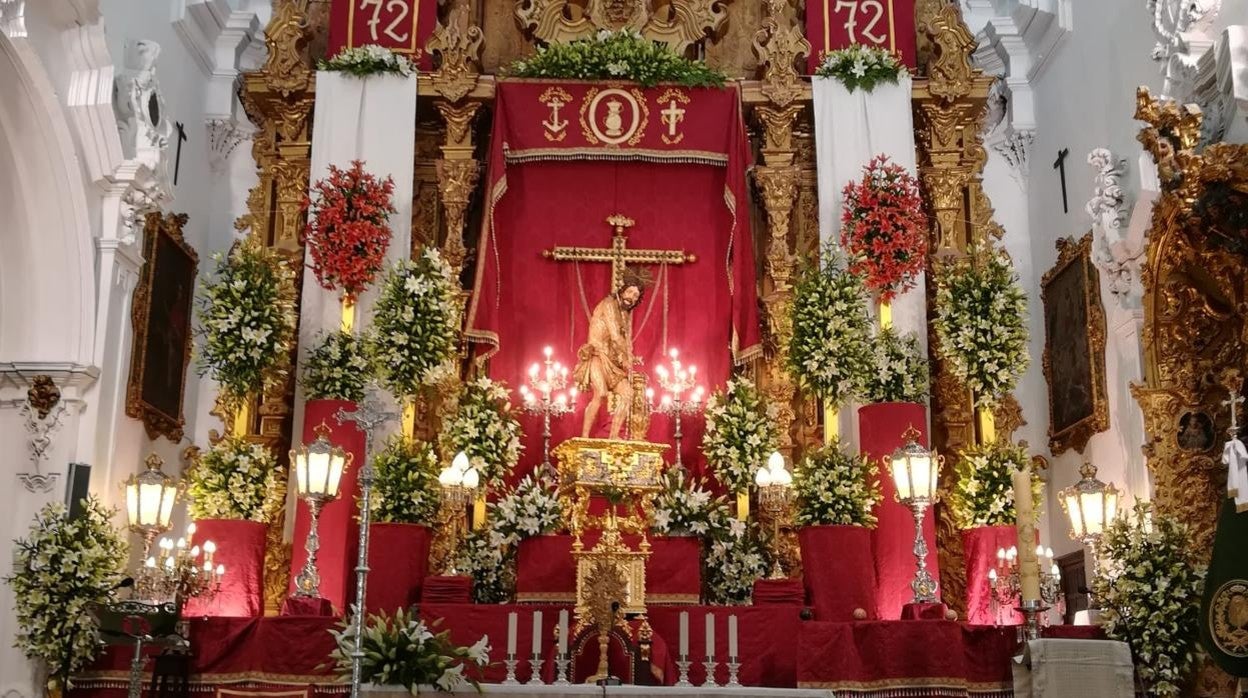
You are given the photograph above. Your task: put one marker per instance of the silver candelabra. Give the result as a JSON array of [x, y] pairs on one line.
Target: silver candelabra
[[682, 396], [545, 399]]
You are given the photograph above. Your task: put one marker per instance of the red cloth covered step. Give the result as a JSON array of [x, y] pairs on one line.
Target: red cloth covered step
[[398, 560], [838, 571], [240, 547]]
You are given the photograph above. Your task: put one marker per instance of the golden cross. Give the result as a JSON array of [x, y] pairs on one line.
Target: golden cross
[[618, 254]]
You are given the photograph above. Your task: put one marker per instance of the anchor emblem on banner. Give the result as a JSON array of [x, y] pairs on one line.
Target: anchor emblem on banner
[[555, 98]]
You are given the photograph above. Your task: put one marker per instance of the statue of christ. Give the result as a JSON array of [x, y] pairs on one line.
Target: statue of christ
[[605, 362]]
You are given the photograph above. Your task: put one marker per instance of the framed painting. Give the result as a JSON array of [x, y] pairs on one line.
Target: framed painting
[[161, 317], [1074, 347]]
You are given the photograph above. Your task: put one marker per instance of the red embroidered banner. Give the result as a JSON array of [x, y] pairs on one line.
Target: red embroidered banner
[[403, 26], [564, 157], [833, 24]]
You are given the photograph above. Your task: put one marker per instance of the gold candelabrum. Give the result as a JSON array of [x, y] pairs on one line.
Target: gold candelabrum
[[458, 482], [546, 399], [1004, 583], [775, 495], [179, 571], [682, 395]]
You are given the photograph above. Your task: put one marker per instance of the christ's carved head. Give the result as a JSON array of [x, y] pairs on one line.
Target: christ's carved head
[[630, 296]]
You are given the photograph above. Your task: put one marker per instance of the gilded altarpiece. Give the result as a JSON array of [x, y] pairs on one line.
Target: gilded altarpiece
[[761, 42]]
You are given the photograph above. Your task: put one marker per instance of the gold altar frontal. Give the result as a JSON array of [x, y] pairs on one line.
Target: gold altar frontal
[[628, 475]]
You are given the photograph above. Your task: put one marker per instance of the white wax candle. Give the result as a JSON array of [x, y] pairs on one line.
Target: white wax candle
[[537, 632], [512, 619], [563, 631], [684, 633], [710, 635], [732, 636]]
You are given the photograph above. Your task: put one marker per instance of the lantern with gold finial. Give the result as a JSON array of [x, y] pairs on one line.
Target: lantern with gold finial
[[318, 472], [150, 496]]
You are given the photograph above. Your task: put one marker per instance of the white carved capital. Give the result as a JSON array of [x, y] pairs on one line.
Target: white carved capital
[[1184, 31], [224, 136], [1117, 249], [1015, 148]]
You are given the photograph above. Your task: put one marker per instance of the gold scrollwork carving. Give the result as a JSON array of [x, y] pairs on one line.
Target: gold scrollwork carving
[[1074, 280], [683, 23]]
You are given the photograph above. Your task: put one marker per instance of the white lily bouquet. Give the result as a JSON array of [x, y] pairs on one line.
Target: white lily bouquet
[[402, 650]]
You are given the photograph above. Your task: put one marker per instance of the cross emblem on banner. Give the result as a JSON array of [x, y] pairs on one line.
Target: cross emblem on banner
[[618, 255]]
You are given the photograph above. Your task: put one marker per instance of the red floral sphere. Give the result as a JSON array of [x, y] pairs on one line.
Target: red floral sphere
[[884, 228], [347, 234]]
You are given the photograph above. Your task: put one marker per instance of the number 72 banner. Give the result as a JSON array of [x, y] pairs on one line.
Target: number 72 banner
[[888, 24], [403, 26]]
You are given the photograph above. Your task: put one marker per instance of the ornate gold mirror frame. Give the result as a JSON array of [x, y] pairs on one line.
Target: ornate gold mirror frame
[[1074, 356]]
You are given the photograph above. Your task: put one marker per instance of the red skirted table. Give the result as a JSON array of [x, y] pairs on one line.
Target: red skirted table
[[398, 559], [837, 571], [240, 548], [546, 572]]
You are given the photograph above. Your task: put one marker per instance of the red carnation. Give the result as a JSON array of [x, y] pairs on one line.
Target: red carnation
[[884, 228], [347, 232]]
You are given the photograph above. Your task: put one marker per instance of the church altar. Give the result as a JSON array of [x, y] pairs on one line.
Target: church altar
[[778, 650]]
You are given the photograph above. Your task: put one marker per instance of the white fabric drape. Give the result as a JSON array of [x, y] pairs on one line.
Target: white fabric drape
[[372, 119], [851, 128], [1074, 669]]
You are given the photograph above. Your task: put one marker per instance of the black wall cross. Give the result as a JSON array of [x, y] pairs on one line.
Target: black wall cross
[[1059, 165], [177, 159]]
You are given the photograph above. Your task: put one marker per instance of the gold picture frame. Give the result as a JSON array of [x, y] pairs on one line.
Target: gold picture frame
[[161, 317], [1074, 347]]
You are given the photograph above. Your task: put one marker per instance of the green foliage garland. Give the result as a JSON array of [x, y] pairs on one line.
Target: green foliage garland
[[235, 479], [740, 433], [482, 425], [981, 323], [831, 348], [834, 487], [406, 486], [246, 320], [1150, 590], [984, 492], [337, 368], [59, 569], [861, 67], [901, 373], [401, 650], [616, 55], [371, 59], [415, 332]]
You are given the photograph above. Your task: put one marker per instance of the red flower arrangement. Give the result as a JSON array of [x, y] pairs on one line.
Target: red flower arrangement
[[347, 232], [884, 228]]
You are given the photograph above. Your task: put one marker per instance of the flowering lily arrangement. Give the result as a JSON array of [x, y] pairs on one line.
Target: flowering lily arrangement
[[490, 564], [482, 425], [402, 650], [861, 67], [337, 368], [981, 324], [616, 55], [984, 492], [686, 508], [740, 433], [235, 479], [834, 487], [406, 483], [370, 59], [734, 561], [531, 508], [415, 331], [900, 369], [1150, 591], [62, 567], [831, 347], [246, 319], [884, 228], [348, 231]]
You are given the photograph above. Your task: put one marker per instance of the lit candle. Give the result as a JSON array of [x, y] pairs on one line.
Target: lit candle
[[151, 562], [563, 631], [732, 637], [1054, 571], [710, 635], [992, 576], [1028, 565], [537, 628], [548, 351], [684, 633], [512, 619], [190, 530], [220, 571]]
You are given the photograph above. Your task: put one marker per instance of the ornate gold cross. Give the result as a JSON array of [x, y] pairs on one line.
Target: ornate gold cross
[[618, 254]]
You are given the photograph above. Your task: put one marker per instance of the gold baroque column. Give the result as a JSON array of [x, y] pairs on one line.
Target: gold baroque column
[[779, 44], [458, 173], [948, 103], [278, 98]]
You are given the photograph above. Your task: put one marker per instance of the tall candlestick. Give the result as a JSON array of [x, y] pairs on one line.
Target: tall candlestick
[[684, 634], [732, 637], [1028, 566], [537, 632], [710, 634], [512, 620], [563, 631]]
